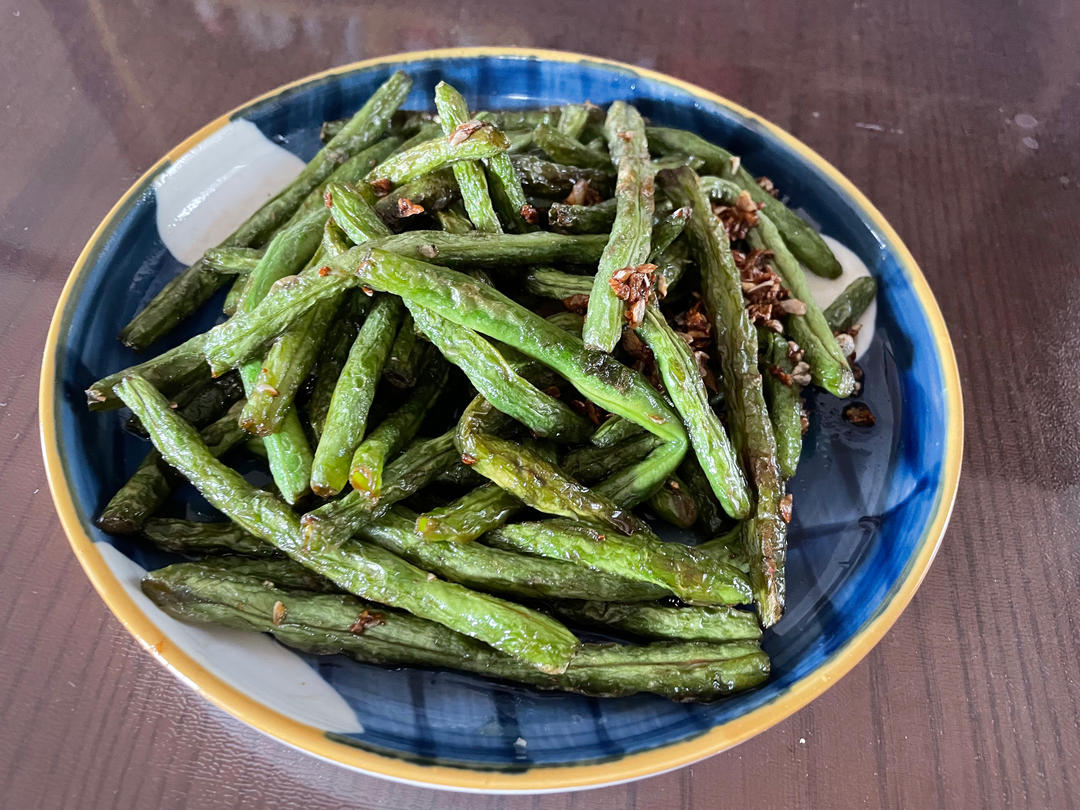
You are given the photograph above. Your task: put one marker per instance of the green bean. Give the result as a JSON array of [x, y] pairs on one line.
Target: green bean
[[202, 403], [346, 418], [685, 572], [634, 484], [681, 671], [470, 303], [240, 338], [236, 292], [353, 215], [446, 291], [673, 505], [607, 466], [337, 521], [628, 245], [533, 479], [785, 404], [596, 218], [396, 430], [406, 121], [458, 475], [367, 125], [517, 631], [569, 151], [598, 376], [828, 366], [507, 572], [716, 623], [572, 120], [194, 286], [675, 161], [232, 260], [671, 264], [415, 468], [453, 221], [349, 173], [432, 192], [668, 229], [139, 497], [520, 140], [364, 570], [630, 486], [694, 482], [507, 194], [488, 506], [591, 464], [615, 429], [272, 573], [494, 251], [288, 455], [326, 624], [291, 358], [485, 508], [568, 321], [496, 379], [521, 119], [334, 242], [736, 343], [546, 179], [551, 283], [427, 131], [670, 257], [803, 241], [844, 312], [335, 352], [593, 134], [289, 244], [152, 483], [406, 354], [454, 114], [287, 253], [196, 538], [330, 128], [212, 400], [430, 156], [682, 380], [169, 372], [729, 548], [287, 450], [359, 221]]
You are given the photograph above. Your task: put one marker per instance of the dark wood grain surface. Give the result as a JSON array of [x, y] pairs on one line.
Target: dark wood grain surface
[[960, 120]]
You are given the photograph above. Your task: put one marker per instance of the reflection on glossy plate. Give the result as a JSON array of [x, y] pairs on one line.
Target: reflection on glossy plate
[[871, 505]]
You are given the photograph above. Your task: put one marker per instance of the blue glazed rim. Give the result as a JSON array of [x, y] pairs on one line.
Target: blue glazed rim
[[925, 381]]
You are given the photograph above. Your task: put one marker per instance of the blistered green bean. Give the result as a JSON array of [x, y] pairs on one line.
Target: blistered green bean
[[629, 242], [736, 342]]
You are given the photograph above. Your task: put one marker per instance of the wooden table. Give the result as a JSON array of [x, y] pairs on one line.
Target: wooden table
[[961, 121]]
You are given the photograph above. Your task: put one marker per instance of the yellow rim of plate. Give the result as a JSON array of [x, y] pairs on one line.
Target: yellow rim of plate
[[538, 778]]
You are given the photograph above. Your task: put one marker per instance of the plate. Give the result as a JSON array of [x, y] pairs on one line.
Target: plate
[[870, 505]]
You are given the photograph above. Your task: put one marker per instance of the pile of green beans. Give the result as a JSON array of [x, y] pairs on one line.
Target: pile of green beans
[[466, 472]]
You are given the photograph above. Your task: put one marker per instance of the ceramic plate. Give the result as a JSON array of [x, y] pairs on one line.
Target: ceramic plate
[[870, 505]]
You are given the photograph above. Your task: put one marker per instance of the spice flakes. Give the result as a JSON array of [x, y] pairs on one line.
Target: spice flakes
[[634, 285]]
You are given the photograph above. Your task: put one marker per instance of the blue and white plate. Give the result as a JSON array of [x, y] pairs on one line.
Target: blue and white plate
[[870, 505]]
